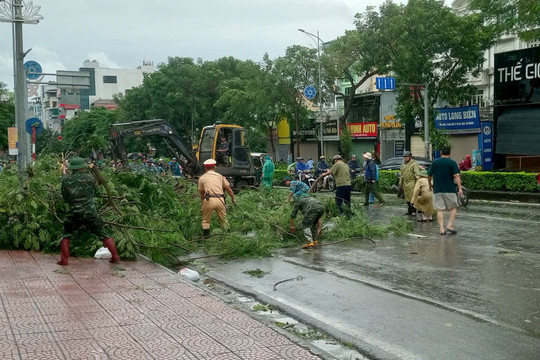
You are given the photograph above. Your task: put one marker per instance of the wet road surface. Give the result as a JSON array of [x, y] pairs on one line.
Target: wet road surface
[[421, 296]]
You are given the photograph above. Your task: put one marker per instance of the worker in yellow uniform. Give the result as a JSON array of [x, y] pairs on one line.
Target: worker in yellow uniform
[[212, 187]]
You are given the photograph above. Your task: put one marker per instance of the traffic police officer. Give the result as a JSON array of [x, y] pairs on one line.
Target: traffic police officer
[[211, 187]]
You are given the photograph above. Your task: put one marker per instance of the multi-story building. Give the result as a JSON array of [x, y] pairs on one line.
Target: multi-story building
[[62, 102], [514, 134]]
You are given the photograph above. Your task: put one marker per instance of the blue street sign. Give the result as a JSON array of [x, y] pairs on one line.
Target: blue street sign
[[310, 92], [34, 122], [385, 83], [33, 70]]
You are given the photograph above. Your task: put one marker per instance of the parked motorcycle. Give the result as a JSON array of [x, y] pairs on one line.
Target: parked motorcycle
[[328, 183], [308, 178]]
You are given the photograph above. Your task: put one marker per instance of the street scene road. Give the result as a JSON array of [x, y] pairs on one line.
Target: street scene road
[[473, 295]]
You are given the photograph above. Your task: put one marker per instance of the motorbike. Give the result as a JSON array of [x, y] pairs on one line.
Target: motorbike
[[327, 183], [306, 176]]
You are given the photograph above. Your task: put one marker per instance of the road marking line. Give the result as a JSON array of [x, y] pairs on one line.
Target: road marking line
[[499, 218], [418, 235]]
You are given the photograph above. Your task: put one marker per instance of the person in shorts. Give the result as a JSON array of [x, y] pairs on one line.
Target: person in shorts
[[445, 175]]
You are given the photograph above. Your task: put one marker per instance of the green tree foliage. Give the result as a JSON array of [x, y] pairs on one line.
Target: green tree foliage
[[160, 217], [49, 142], [185, 93], [356, 57], [296, 70], [88, 132], [428, 43], [511, 16], [345, 143]]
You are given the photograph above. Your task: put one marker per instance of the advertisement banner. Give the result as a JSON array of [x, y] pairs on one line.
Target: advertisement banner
[[13, 138], [517, 77], [367, 130], [330, 130], [458, 120]]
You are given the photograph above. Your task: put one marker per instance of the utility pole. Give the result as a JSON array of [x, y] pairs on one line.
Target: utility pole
[[426, 123], [18, 13], [426, 116], [319, 41]]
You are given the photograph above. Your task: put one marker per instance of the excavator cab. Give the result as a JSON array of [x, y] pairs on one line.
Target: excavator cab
[[227, 144]]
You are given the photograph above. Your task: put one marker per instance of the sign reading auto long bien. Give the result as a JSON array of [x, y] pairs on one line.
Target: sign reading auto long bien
[[517, 77]]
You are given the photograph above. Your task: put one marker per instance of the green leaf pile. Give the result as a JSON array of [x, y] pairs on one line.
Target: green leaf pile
[[160, 218]]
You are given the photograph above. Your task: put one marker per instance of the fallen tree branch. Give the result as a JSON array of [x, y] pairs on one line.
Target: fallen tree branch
[[348, 239], [136, 227], [299, 277], [103, 182], [199, 257], [285, 232], [178, 246]]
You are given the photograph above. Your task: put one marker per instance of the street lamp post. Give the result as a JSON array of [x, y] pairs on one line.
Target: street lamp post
[[319, 41], [19, 13]]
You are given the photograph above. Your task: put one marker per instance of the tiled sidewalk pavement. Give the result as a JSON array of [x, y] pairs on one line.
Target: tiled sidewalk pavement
[[94, 310]]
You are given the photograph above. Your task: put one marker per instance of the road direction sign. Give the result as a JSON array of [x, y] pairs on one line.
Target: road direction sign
[[34, 122], [385, 83], [33, 70], [310, 92]]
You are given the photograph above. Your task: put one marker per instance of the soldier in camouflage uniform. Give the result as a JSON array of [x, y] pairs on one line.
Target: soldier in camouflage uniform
[[78, 191], [312, 209]]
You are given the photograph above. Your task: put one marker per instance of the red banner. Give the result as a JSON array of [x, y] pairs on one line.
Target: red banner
[[363, 130]]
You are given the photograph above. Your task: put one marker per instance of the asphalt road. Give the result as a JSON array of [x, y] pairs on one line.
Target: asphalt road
[[474, 295]]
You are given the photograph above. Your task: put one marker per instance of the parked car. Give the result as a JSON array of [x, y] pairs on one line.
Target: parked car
[[396, 162]]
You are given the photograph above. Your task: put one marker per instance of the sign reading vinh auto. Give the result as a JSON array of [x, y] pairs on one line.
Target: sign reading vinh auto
[[367, 130]]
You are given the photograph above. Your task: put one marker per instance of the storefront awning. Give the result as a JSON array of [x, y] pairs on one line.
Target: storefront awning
[[518, 132]]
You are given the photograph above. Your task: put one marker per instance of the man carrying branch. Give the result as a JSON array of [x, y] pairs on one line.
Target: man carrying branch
[[78, 191]]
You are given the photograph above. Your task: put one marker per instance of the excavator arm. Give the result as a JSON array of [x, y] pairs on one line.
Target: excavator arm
[[119, 132]]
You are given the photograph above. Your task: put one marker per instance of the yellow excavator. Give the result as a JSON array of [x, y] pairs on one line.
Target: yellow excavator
[[227, 144]]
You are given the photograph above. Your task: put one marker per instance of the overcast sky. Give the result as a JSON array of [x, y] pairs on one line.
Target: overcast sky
[[123, 33]]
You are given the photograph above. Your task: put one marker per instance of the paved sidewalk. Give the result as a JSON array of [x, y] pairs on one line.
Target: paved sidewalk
[[137, 310]]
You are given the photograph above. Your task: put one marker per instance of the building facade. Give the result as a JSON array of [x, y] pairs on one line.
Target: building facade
[[90, 86]]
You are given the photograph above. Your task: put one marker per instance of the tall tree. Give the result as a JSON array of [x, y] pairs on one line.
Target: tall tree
[[511, 16], [295, 71], [355, 57], [429, 44], [88, 133]]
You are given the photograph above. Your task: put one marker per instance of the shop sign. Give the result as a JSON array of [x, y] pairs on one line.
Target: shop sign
[[399, 147], [390, 122], [458, 120], [13, 138], [330, 130], [487, 145], [367, 130], [517, 77]]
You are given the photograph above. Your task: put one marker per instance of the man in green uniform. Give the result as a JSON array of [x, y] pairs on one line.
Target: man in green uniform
[[78, 191], [313, 210]]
